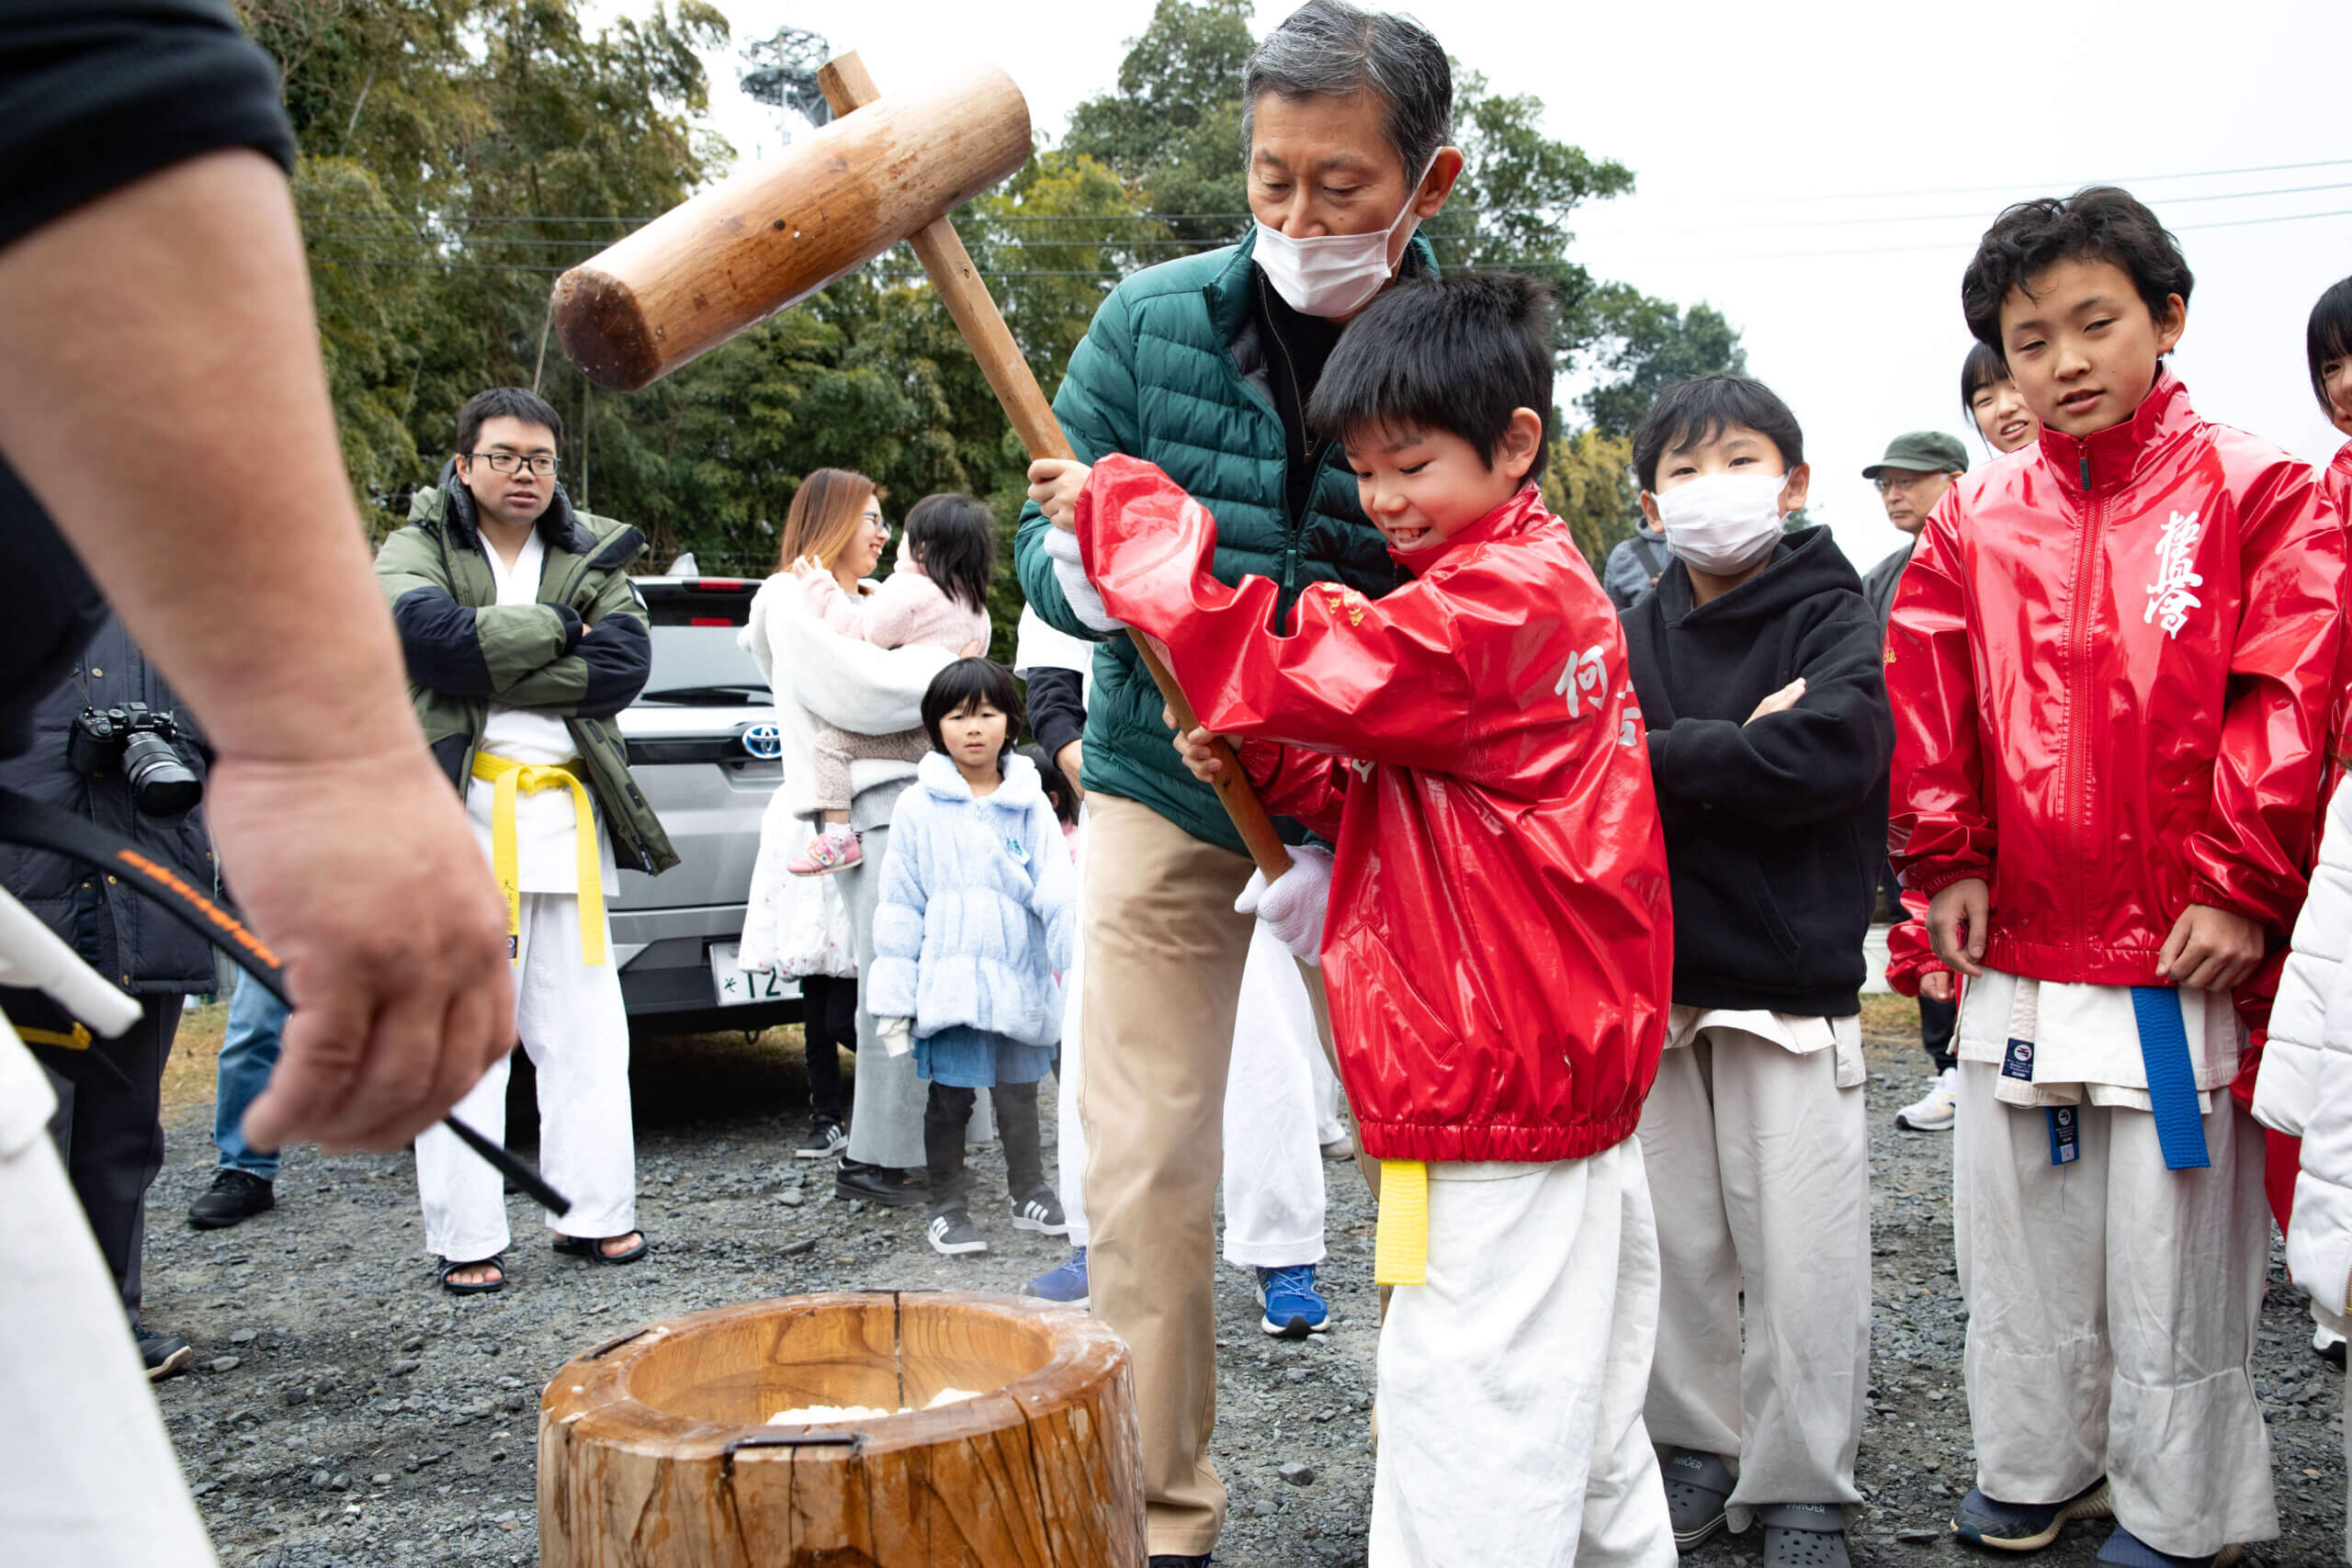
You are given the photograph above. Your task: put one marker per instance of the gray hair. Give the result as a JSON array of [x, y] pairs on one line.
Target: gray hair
[[1332, 48]]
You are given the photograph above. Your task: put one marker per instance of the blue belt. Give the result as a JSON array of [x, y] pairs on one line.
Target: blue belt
[[2172, 1081]]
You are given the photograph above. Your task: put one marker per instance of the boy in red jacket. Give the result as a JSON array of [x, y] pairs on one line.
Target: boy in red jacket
[[1498, 951], [2110, 666]]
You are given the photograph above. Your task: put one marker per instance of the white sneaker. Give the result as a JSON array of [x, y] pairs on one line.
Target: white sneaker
[[1935, 1110]]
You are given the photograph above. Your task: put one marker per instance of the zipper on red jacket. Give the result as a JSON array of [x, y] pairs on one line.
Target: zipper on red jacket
[[2076, 790]]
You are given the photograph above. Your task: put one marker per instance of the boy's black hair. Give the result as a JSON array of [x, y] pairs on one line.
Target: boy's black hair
[[2096, 223], [1982, 366], [953, 538], [1693, 413], [1453, 355], [1055, 783], [968, 680], [2329, 337], [505, 402]]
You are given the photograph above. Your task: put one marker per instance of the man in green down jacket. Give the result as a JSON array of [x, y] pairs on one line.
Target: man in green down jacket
[[523, 638], [1202, 366]]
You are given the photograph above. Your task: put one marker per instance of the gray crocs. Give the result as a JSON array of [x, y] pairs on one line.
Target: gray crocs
[[1803, 1535], [1697, 1486]]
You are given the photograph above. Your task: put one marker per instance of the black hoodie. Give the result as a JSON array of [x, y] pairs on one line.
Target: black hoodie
[[1774, 831]]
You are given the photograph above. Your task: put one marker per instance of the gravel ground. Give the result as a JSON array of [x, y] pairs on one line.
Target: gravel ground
[[344, 1410]]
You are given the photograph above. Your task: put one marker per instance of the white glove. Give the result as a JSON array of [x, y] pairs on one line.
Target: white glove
[[1070, 571], [1293, 908], [896, 1034]]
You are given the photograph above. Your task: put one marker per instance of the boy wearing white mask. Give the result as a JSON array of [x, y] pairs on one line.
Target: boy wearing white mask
[[1757, 666]]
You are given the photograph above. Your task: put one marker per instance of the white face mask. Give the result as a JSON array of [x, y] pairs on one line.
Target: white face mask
[[1723, 523], [1333, 275]]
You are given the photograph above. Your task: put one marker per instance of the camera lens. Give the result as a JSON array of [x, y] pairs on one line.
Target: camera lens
[[160, 784]]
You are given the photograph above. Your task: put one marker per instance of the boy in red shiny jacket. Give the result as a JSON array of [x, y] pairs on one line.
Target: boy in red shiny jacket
[[2110, 668], [1499, 947]]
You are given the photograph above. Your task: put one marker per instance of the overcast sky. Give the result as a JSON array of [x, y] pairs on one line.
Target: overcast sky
[[1820, 172]]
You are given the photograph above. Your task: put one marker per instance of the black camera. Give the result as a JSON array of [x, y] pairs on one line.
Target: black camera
[[141, 740]]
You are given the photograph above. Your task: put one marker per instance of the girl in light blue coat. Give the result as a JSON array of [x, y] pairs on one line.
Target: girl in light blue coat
[[971, 937]]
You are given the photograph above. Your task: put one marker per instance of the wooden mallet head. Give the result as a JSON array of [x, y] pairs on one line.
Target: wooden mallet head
[[774, 234]]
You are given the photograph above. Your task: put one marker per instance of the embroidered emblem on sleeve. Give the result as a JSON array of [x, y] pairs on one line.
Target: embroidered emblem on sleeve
[[1584, 682], [2169, 599]]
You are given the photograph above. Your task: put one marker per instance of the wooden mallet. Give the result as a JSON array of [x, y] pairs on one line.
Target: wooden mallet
[[887, 169]]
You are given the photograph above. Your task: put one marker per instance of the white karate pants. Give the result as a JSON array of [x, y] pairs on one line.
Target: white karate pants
[[1510, 1385], [572, 1022], [1273, 1159], [2112, 1307], [87, 1474], [1760, 1169]]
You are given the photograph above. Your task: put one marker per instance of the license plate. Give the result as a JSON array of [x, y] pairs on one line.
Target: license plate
[[738, 987]]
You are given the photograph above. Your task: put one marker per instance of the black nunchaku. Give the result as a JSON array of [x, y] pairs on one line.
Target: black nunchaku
[[35, 826]]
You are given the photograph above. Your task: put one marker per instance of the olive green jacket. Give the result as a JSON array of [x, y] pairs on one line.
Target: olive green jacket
[[582, 653]]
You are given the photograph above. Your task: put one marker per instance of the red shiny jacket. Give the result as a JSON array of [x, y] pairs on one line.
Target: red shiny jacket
[[2110, 663], [1498, 952]]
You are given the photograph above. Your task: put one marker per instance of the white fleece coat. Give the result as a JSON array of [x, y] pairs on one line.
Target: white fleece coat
[[2305, 1084], [979, 908], [795, 925]]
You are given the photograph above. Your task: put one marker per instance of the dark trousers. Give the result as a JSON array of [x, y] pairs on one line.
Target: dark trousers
[[828, 1025], [1937, 1020], [110, 1132], [945, 1117]]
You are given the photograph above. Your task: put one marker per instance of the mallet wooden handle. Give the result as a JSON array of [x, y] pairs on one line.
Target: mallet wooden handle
[[847, 87]]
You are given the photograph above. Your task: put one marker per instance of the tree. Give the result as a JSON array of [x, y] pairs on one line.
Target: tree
[[1644, 346], [1587, 483]]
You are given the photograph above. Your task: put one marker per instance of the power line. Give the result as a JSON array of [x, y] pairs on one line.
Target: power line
[[2026, 184], [1953, 244], [1969, 217]]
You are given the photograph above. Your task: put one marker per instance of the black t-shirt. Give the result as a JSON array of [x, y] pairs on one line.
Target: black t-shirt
[[95, 94]]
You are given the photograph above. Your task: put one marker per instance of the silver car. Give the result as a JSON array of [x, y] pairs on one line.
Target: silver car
[[703, 743]]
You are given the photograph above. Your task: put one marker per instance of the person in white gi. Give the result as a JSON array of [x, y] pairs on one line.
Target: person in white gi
[[540, 809], [1280, 1100]]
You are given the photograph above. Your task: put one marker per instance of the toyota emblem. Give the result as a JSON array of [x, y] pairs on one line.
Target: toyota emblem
[[764, 740]]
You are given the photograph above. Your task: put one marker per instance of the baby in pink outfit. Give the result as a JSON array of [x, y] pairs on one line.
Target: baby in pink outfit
[[937, 597]]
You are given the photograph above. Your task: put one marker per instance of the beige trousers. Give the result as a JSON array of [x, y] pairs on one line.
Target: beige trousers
[[1164, 956], [2111, 1312], [1759, 1173]]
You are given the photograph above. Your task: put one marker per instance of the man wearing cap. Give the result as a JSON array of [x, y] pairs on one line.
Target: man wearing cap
[[1913, 476], [1917, 469]]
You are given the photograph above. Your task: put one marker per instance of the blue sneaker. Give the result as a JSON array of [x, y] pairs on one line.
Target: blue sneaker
[[1065, 1285], [1294, 1309], [2026, 1527], [2124, 1549]]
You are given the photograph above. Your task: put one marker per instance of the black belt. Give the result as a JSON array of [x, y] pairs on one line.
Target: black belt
[[35, 826]]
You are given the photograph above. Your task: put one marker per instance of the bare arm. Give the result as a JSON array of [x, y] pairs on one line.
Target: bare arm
[[162, 394]]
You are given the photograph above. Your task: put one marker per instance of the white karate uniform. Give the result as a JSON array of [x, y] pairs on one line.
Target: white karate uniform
[[1758, 1149], [1511, 1384], [1281, 1097], [87, 1474], [569, 1013], [1274, 1197], [2112, 1302]]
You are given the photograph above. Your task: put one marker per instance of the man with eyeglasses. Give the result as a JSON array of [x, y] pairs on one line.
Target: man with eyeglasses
[[1912, 478], [524, 639]]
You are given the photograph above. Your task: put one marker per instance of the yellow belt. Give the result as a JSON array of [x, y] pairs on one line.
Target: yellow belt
[[1400, 1248], [511, 779]]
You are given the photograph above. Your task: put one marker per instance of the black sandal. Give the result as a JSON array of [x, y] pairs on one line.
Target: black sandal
[[592, 1248], [477, 1287]]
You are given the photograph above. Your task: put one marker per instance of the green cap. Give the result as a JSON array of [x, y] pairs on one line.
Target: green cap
[[1922, 452]]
